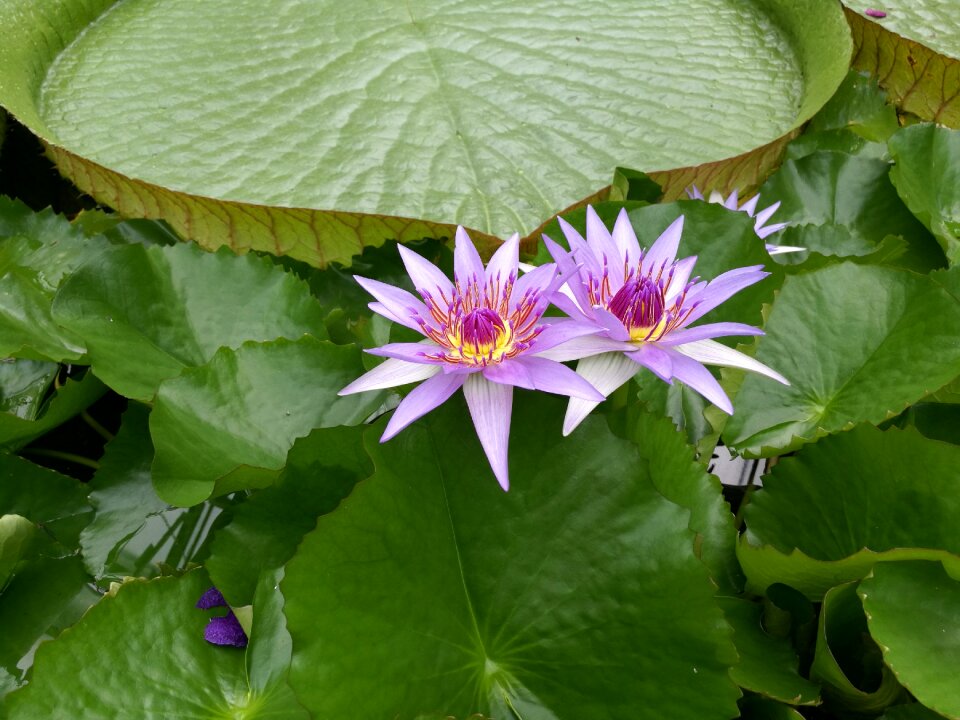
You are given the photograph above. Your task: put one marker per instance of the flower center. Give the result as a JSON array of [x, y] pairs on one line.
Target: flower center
[[641, 306], [483, 334]]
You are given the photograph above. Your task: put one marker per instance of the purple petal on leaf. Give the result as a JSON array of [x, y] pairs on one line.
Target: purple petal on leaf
[[401, 305], [750, 206], [210, 599], [411, 352], [782, 249], [490, 406], [390, 373], [761, 217], [552, 377], [421, 400], [710, 330], [467, 265], [606, 373], [426, 276], [721, 288], [225, 631], [713, 353], [505, 260], [664, 251], [695, 375]]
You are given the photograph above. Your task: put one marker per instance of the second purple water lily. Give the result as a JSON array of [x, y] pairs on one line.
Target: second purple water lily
[[643, 303]]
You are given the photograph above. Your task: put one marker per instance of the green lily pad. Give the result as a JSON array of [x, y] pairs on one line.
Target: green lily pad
[[913, 51], [67, 401], [56, 502], [846, 661], [146, 313], [46, 596], [23, 385], [854, 192], [134, 532], [858, 343], [349, 123], [912, 711], [16, 536], [38, 251], [430, 590], [161, 665], [926, 176], [912, 608], [768, 665], [229, 424], [839, 480], [321, 470], [755, 707]]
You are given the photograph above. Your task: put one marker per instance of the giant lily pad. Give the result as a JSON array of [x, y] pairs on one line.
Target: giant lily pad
[[429, 590], [313, 128]]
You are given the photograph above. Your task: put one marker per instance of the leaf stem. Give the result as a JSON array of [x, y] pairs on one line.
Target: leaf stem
[[61, 455], [97, 427]]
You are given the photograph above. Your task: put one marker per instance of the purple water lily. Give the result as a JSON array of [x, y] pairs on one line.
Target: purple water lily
[[484, 332], [224, 630], [760, 219], [644, 302]]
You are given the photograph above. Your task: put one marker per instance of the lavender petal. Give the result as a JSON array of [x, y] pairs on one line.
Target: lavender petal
[[467, 265], [411, 352], [401, 306], [713, 353], [710, 330], [390, 373], [664, 251], [421, 400], [505, 261], [695, 375], [583, 347], [426, 277], [720, 289], [606, 373], [626, 239], [490, 406], [552, 377]]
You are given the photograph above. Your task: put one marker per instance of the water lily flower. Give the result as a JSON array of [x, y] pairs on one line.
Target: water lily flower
[[483, 332], [224, 630], [750, 208], [645, 302]]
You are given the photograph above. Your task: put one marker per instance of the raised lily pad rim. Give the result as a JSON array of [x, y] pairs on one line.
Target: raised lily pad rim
[[295, 231]]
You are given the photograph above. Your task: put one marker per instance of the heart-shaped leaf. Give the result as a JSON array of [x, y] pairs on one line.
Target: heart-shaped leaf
[[429, 590]]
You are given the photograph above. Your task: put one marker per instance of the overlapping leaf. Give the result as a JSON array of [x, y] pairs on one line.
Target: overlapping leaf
[[911, 610], [900, 513], [146, 313], [857, 343], [556, 599], [229, 424]]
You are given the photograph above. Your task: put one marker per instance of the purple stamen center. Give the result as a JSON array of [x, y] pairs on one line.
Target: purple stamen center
[[482, 327], [639, 303]]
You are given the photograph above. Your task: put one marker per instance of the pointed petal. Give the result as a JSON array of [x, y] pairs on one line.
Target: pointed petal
[[750, 206], [606, 373], [582, 253], [401, 306], [559, 331], [761, 217], [692, 373], [552, 377], [625, 239], [568, 268], [731, 202], [411, 352], [503, 264], [721, 288], [490, 406], [713, 353], [467, 265], [390, 373], [715, 197], [537, 283], [664, 251], [427, 278], [782, 249], [693, 192], [710, 330], [584, 346], [421, 400], [681, 275], [611, 323], [510, 373], [598, 237]]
